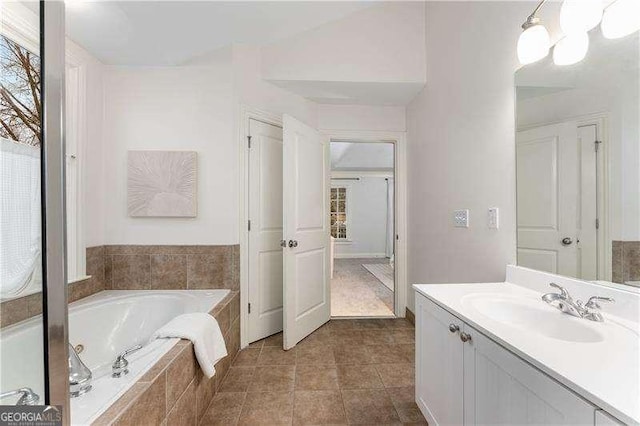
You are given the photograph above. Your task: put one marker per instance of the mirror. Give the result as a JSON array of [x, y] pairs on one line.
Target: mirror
[[578, 163]]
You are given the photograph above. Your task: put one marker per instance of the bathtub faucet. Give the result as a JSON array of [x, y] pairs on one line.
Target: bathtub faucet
[[27, 396], [119, 367], [79, 375]]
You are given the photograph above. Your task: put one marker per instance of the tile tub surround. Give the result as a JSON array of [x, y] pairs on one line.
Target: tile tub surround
[[346, 372], [171, 267], [625, 258], [22, 308], [174, 391]]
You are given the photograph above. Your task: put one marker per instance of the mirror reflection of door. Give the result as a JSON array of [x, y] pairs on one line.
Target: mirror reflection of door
[[558, 222]]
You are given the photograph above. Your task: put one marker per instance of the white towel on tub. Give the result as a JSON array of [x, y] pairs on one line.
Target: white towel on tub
[[203, 330]]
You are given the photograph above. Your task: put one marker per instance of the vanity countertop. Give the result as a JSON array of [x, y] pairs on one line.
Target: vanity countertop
[[605, 372]]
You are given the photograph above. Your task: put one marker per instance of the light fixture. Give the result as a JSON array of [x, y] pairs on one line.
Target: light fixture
[[534, 42], [621, 18], [571, 49], [579, 16]]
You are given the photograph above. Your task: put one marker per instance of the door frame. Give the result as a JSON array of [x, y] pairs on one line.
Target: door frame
[[400, 169], [601, 121], [247, 113]]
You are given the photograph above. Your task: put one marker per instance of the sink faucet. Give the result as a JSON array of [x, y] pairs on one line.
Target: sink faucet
[[27, 396], [79, 375], [565, 303]]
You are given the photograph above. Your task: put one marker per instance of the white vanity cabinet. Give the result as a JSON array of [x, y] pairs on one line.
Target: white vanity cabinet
[[480, 382]]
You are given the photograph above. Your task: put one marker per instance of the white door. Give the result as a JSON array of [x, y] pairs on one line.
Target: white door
[[439, 364], [306, 230], [556, 180], [502, 389], [265, 230]]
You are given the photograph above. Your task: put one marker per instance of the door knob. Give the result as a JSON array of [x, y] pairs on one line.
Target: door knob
[[465, 337], [293, 243], [453, 328], [567, 241]]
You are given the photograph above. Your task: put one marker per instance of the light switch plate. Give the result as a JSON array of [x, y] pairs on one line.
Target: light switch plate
[[493, 218], [461, 218]]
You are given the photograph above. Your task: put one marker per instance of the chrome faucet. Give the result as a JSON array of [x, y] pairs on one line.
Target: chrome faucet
[[119, 367], [27, 396], [565, 303], [79, 375]]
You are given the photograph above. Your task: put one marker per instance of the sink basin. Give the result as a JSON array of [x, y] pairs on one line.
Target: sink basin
[[533, 316]]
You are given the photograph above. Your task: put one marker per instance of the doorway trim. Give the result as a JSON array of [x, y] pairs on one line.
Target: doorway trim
[[247, 113], [400, 169]]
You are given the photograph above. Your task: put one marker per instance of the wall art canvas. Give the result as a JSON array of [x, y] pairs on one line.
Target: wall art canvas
[[162, 183]]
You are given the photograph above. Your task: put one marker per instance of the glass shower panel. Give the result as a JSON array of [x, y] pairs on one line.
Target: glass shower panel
[[22, 359]]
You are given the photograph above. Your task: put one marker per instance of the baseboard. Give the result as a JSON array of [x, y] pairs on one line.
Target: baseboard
[[359, 255], [410, 316]]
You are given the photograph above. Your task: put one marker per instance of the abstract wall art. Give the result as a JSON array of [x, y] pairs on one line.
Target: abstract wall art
[[162, 183]]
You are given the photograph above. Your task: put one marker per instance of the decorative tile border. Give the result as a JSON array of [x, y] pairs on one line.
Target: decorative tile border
[[174, 391], [625, 261]]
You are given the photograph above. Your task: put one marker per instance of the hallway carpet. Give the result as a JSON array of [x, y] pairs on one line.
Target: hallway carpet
[[355, 292], [346, 372]]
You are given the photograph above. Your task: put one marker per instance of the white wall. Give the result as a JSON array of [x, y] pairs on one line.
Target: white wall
[[461, 146], [383, 43], [179, 108], [367, 218], [362, 117], [194, 107]]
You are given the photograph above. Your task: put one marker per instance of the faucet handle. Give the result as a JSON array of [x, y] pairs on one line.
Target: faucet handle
[[563, 290], [592, 303]]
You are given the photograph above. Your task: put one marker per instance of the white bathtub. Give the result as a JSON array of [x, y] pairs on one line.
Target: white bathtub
[[105, 324]]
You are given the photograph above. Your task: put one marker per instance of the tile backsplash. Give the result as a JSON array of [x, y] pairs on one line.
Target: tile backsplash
[[141, 267], [137, 267], [625, 261]]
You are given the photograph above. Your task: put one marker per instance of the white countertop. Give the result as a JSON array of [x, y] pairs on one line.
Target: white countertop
[[606, 373]]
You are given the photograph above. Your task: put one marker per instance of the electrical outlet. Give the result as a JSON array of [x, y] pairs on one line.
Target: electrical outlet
[[493, 218], [461, 218]]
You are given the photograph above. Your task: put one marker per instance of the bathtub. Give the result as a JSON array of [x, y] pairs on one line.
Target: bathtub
[[105, 324]]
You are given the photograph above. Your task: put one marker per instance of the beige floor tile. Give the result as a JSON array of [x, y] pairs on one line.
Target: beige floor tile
[[315, 355], [275, 340], [318, 407], [247, 357], [369, 406], [316, 377], [358, 377], [274, 355], [396, 375], [404, 401], [378, 337], [225, 409], [348, 354], [387, 354], [237, 379], [403, 336], [275, 378], [267, 408]]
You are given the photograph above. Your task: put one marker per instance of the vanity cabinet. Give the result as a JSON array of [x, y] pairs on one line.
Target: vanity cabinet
[[463, 377]]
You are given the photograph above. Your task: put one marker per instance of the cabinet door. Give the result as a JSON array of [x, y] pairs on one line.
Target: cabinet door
[[605, 419], [500, 388], [438, 364]]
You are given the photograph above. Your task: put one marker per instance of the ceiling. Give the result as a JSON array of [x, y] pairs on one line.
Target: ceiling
[[172, 32]]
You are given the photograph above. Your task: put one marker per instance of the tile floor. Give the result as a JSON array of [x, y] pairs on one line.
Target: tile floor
[[346, 372], [357, 292]]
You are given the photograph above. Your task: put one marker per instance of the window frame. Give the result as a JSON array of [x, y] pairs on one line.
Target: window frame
[[22, 26], [348, 200]]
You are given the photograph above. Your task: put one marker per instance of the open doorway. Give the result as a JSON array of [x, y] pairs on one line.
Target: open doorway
[[362, 218]]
